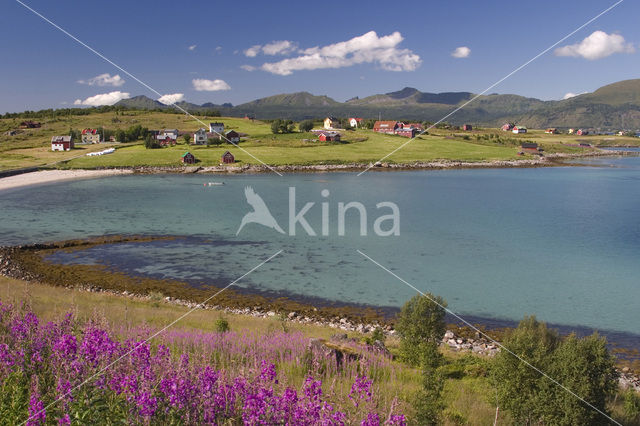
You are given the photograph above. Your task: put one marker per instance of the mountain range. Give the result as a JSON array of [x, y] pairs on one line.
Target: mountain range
[[615, 106]]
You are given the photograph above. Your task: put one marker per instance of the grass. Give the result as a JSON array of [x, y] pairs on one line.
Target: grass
[[463, 396], [31, 147], [469, 395]]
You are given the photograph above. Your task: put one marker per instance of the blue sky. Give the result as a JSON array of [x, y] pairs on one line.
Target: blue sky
[[412, 46]]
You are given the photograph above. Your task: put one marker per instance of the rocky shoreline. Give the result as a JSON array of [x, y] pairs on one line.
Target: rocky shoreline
[[478, 345], [549, 160], [35, 175]]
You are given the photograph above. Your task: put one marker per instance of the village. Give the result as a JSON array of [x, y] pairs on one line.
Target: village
[[128, 139], [332, 130]]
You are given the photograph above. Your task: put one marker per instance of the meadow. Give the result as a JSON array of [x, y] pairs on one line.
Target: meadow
[[211, 366], [369, 385], [31, 147]]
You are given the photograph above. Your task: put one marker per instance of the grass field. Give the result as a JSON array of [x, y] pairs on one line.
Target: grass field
[[31, 147], [469, 395], [464, 394]]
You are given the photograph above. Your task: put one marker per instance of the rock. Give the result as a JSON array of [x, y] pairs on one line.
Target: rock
[[292, 315], [340, 337], [380, 347]]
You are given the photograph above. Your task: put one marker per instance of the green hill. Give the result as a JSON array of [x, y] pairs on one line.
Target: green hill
[[299, 99], [614, 106]]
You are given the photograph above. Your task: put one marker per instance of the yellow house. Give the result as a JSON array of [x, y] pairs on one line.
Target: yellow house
[[331, 123]]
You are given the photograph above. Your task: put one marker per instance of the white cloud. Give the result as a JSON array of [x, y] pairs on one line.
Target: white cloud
[[218, 48], [461, 52], [103, 99], [170, 99], [282, 47], [204, 85], [597, 46], [193, 47], [104, 80], [253, 51], [572, 95], [248, 67], [367, 48]]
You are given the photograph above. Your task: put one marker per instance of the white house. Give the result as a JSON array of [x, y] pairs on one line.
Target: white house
[[167, 137], [61, 143], [216, 128], [200, 137], [519, 129], [90, 136], [331, 123], [355, 121]]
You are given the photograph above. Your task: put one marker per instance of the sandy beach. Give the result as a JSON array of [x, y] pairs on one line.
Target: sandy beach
[[47, 176]]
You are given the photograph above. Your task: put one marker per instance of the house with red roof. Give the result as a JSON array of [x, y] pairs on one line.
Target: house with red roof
[[355, 121], [61, 143], [90, 136], [329, 136]]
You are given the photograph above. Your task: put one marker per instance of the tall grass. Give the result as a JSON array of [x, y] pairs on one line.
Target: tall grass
[[68, 371]]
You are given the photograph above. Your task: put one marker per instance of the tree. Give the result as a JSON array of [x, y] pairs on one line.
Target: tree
[[631, 406], [518, 385], [582, 365], [282, 126], [214, 140], [186, 138], [367, 124], [275, 126], [420, 322], [305, 125], [587, 368], [290, 127], [149, 142], [121, 136], [76, 135], [429, 403]]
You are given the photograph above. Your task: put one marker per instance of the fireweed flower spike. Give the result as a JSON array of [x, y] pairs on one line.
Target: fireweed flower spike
[[186, 377]]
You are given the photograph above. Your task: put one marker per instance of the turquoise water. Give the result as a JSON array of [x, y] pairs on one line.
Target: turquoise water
[[560, 243]]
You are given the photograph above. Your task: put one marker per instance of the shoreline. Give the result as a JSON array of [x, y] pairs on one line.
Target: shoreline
[[44, 176], [344, 318], [50, 176]]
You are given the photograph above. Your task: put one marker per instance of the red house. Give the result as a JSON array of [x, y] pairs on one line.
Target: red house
[[386, 126], [29, 125], [507, 127], [467, 127], [188, 158], [581, 132], [228, 158], [329, 136], [408, 132], [529, 147], [61, 143]]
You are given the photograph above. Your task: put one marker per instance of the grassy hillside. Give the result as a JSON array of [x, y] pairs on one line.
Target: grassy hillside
[[304, 99], [31, 147]]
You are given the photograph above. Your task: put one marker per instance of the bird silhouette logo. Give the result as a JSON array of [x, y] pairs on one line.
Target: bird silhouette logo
[[260, 213]]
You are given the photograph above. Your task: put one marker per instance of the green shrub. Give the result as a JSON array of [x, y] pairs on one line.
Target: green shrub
[[420, 325], [222, 325]]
